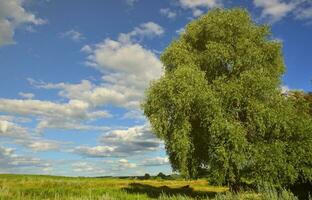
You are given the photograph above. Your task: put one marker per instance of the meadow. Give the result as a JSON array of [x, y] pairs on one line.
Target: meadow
[[33, 187]]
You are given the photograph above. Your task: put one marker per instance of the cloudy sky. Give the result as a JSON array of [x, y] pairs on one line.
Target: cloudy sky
[[73, 74]]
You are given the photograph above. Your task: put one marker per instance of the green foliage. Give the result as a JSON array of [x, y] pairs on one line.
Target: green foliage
[[219, 107], [146, 176], [162, 175]]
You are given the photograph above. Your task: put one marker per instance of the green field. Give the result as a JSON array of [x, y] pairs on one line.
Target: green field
[[31, 187], [51, 187]]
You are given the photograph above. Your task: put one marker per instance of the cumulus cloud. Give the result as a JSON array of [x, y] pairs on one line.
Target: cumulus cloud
[[54, 115], [87, 168], [73, 35], [14, 163], [22, 136], [122, 142], [127, 69], [43, 146], [67, 125], [74, 108], [38, 143], [10, 129], [126, 58], [167, 12], [97, 151], [103, 168], [125, 164], [134, 114], [200, 3], [13, 15], [111, 92], [148, 29], [26, 95], [195, 5], [197, 12], [86, 49], [275, 9], [16, 119], [132, 140], [156, 161]]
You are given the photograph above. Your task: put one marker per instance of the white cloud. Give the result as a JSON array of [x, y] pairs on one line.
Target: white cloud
[[97, 151], [156, 161], [52, 115], [74, 109], [86, 49], [274, 9], [148, 29], [10, 129], [180, 31], [13, 15], [15, 119], [125, 58], [5, 151], [4, 126], [136, 139], [127, 67], [134, 114], [87, 168], [73, 35], [193, 4], [197, 12], [125, 164], [112, 91], [67, 125], [22, 135], [122, 142], [26, 95], [168, 13], [38, 144], [13, 163]]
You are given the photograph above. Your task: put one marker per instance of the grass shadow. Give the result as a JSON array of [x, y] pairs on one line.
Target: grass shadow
[[155, 192]]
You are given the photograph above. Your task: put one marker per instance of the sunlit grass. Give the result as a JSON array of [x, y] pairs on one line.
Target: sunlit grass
[[29, 187], [50, 187]]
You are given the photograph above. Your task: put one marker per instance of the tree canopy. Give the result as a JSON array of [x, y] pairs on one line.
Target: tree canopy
[[219, 108]]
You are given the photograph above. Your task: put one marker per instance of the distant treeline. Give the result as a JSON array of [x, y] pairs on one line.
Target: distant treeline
[[147, 176]]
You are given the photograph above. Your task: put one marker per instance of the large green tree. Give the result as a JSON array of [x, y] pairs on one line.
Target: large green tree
[[219, 108]]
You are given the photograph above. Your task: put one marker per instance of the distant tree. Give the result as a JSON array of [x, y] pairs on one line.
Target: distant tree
[[219, 107], [146, 176], [161, 175]]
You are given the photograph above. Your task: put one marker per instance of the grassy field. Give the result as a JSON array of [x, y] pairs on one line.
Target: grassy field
[[31, 187], [51, 187]]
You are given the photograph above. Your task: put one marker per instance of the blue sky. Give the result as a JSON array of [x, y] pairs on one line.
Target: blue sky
[[73, 74]]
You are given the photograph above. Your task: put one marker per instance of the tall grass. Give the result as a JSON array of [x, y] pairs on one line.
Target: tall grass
[[19, 187]]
